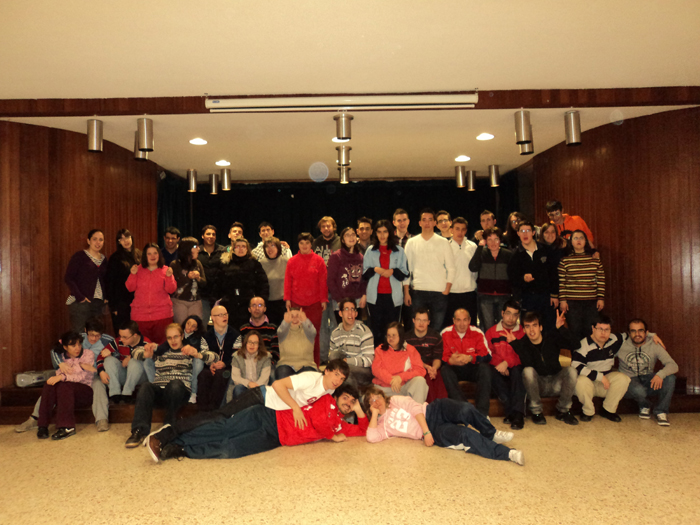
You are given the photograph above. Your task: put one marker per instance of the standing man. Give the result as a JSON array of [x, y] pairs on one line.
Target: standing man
[[325, 244], [171, 237], [261, 324], [567, 224], [210, 257], [353, 342], [266, 231], [487, 220], [466, 357], [444, 224], [463, 291], [431, 270], [401, 223], [428, 342], [364, 233], [637, 359], [234, 232]]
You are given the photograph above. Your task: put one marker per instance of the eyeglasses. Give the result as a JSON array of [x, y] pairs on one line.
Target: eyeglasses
[[349, 309], [253, 343], [444, 220], [258, 305], [526, 231], [374, 399], [220, 315]]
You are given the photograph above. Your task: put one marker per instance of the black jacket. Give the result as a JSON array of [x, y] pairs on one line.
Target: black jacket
[[544, 358]]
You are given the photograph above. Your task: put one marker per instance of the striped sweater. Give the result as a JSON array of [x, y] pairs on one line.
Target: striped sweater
[[592, 361], [357, 344], [581, 278], [171, 365]]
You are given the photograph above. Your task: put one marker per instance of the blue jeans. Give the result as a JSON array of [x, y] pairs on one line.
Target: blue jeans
[[197, 367], [174, 396], [490, 309], [479, 373], [238, 390], [137, 372], [640, 390], [445, 417], [435, 302], [509, 389]]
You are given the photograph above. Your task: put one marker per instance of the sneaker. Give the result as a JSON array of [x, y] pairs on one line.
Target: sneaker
[[153, 447], [29, 424], [102, 425], [516, 456], [43, 433], [539, 419], [171, 450], [63, 433], [612, 416], [567, 417], [662, 419], [193, 399], [135, 439], [645, 413], [502, 437], [517, 421]]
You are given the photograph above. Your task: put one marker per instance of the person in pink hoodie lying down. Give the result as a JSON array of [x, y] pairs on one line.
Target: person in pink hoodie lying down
[[438, 423]]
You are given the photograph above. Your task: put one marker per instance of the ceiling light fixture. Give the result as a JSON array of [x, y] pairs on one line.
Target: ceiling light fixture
[[344, 173], [462, 158], [223, 163], [198, 142], [523, 129], [460, 176], [494, 175], [343, 155], [191, 181], [572, 128], [342, 126], [138, 154], [144, 127], [484, 136], [471, 180], [213, 183], [529, 148], [225, 179], [94, 135]]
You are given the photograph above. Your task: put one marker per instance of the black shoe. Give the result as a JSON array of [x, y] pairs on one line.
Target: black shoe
[[42, 433], [567, 417], [507, 419], [114, 400], [539, 419], [126, 400], [63, 433], [612, 416], [586, 418], [135, 439], [517, 421], [171, 450]]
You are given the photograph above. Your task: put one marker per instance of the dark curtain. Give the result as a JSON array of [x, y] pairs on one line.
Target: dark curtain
[[174, 206]]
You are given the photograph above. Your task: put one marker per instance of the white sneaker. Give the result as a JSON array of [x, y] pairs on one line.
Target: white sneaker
[[102, 425], [193, 399], [28, 425], [502, 437], [644, 413], [662, 419], [516, 456]]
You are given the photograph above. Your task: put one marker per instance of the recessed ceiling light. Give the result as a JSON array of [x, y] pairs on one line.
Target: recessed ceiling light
[[223, 163], [484, 136], [198, 142], [462, 158], [336, 139]]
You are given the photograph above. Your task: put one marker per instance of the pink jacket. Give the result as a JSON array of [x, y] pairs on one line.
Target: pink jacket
[[152, 291], [399, 420], [77, 374], [407, 364]]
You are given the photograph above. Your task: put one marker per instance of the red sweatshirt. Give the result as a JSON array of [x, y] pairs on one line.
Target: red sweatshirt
[[500, 347], [405, 363], [324, 421], [473, 343], [305, 280], [152, 291]]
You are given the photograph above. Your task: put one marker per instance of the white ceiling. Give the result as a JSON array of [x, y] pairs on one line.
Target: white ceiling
[[134, 48]]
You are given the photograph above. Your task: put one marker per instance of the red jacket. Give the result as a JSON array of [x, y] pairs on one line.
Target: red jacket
[[500, 347], [152, 291], [473, 344], [305, 280], [324, 421], [389, 363]]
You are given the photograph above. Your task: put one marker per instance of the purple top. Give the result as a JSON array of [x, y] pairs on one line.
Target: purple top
[[82, 275]]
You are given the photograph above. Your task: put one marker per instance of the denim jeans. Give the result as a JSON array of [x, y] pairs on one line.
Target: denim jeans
[[174, 396], [435, 302], [137, 372], [562, 383], [197, 367], [490, 309], [640, 390], [476, 373], [509, 389], [328, 324]]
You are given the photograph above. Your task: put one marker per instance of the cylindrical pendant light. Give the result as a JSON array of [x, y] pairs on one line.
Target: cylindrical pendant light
[[214, 183], [138, 154], [144, 126], [572, 127], [342, 126], [94, 135], [460, 176], [523, 130], [191, 181], [343, 155], [494, 175], [225, 179], [471, 180], [344, 172], [527, 149]]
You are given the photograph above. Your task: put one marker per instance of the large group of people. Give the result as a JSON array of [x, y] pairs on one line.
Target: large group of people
[[366, 333]]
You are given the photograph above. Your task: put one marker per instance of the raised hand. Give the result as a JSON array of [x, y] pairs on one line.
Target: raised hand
[[561, 319], [135, 269], [169, 272], [302, 316]]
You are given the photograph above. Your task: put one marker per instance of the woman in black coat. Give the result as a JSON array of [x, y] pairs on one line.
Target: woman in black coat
[[118, 267]]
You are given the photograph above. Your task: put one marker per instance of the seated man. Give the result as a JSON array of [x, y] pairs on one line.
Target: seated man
[[296, 335], [261, 324], [594, 362], [119, 370], [353, 342], [258, 429], [466, 356], [637, 359], [543, 374], [506, 372], [95, 340], [428, 343]]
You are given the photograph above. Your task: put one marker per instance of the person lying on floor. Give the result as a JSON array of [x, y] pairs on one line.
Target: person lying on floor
[[437, 423], [259, 429]]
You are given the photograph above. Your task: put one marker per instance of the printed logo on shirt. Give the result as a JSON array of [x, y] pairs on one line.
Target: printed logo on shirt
[[398, 420]]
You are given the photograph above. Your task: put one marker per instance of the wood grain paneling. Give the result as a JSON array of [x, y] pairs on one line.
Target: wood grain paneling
[[637, 185], [52, 192]]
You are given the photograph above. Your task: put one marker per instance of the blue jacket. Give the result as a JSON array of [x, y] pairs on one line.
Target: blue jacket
[[397, 262]]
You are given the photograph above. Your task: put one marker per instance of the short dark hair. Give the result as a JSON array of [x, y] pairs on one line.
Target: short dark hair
[[487, 212], [399, 329], [340, 365], [460, 220], [601, 318], [93, 232], [492, 231], [144, 258], [637, 320], [511, 303], [421, 310], [341, 303], [201, 331], [68, 338], [399, 211], [95, 324], [531, 317], [236, 225], [305, 236], [259, 297], [366, 220], [429, 211], [527, 222], [587, 248], [346, 388], [443, 212], [208, 227], [172, 230], [553, 206], [132, 326], [265, 224]]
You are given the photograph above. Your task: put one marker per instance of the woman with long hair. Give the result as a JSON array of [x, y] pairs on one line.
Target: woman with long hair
[[190, 279], [384, 267], [118, 268], [511, 235], [345, 272], [152, 283], [85, 276], [251, 365]]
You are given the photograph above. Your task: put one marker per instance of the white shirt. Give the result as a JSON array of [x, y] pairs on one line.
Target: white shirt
[[465, 280], [430, 263], [307, 388]]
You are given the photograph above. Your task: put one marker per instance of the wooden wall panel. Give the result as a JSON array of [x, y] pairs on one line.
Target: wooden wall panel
[[637, 185], [52, 192]]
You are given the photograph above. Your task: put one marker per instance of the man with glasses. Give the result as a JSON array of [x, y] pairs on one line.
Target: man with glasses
[[171, 237], [534, 277], [261, 324], [567, 224], [212, 382], [353, 342], [444, 224]]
